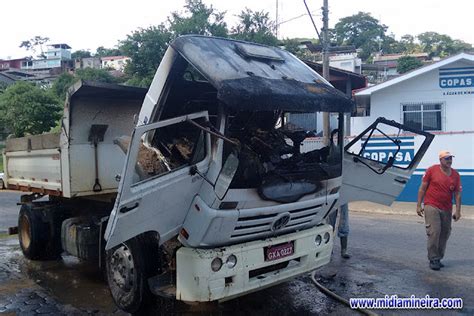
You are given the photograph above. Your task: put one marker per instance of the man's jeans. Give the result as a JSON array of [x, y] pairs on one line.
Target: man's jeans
[[438, 229], [343, 227]]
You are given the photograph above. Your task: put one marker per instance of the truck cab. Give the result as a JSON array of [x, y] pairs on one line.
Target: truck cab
[[225, 189]]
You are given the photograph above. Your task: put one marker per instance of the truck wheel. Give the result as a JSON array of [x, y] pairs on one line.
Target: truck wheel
[[2, 185], [128, 268], [35, 236]]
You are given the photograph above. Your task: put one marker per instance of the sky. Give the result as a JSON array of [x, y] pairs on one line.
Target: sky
[[88, 24]]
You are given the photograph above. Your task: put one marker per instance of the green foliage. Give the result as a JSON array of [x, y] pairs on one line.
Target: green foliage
[[361, 30], [66, 80], [441, 45], [27, 109], [408, 46], [294, 46], [255, 27], [146, 47], [407, 63], [98, 75], [3, 86], [79, 54], [62, 84], [101, 51], [198, 19]]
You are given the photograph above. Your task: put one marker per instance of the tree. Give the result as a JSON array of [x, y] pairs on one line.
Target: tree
[[27, 109], [361, 30], [407, 63], [441, 45], [67, 80], [255, 27], [198, 19], [101, 51], [146, 48], [62, 84], [295, 46], [34, 43], [408, 45], [98, 75], [79, 54]]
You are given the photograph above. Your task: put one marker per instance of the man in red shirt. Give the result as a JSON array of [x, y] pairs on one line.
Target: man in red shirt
[[439, 185]]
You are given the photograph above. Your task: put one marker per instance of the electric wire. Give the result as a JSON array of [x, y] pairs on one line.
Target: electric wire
[[338, 298]]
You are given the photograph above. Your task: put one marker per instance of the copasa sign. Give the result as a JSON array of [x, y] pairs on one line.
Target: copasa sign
[[382, 149], [459, 77]]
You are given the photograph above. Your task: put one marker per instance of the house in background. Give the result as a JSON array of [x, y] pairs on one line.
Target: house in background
[[346, 61], [58, 56], [385, 66], [88, 62], [437, 98], [115, 62], [11, 63]]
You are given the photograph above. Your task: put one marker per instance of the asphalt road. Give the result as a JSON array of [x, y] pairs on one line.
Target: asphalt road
[[8, 209], [388, 258]]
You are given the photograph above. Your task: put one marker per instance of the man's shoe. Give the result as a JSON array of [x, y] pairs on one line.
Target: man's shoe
[[441, 265], [434, 265]]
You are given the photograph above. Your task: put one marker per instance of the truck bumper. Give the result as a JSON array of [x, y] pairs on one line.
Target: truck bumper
[[197, 282]]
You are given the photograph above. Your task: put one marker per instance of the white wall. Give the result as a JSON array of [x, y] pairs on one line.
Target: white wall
[[458, 110]]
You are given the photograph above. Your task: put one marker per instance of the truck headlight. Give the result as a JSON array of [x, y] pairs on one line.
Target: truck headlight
[[327, 236], [318, 240], [216, 264], [231, 261]]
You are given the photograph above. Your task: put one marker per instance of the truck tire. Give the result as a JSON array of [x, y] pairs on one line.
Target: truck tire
[[2, 184], [128, 267], [37, 241]]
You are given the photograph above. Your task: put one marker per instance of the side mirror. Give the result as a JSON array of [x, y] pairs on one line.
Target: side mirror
[[226, 175]]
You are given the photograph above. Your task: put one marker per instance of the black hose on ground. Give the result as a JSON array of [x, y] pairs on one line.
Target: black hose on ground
[[337, 297]]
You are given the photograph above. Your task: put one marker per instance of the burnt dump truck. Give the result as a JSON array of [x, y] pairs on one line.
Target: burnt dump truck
[[205, 188]]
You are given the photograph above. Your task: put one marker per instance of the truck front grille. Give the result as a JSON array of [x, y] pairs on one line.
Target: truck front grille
[[260, 225]]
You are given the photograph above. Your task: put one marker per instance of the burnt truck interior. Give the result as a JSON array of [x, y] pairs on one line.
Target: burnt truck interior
[[267, 142]]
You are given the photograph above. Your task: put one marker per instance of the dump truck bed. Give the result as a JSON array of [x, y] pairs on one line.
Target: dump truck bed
[[32, 163], [84, 158]]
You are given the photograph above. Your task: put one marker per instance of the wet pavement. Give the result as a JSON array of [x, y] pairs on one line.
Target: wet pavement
[[388, 257]]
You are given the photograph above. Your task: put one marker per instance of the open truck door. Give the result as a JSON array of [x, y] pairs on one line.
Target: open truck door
[[163, 173], [379, 162]]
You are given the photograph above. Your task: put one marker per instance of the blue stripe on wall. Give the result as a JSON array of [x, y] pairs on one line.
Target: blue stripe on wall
[[457, 68], [443, 74], [410, 193], [385, 138], [389, 144]]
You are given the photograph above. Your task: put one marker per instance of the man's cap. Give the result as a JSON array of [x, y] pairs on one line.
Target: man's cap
[[444, 154]]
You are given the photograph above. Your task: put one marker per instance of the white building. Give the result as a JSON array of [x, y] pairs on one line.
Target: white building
[[115, 62], [438, 98], [346, 61]]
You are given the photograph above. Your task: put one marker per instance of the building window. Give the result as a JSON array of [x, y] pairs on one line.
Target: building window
[[424, 116]]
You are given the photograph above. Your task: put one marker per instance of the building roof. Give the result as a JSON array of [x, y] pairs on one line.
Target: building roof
[[63, 45], [358, 81], [415, 73], [114, 57], [394, 57]]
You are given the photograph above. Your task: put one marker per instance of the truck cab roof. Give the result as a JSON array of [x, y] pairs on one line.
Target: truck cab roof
[[254, 77]]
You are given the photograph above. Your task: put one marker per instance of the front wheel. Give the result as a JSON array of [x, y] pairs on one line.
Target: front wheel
[[128, 268]]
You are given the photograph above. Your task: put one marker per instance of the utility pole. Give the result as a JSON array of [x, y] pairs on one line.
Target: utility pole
[[325, 46], [277, 25]]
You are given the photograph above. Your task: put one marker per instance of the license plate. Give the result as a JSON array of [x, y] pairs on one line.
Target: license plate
[[279, 251]]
